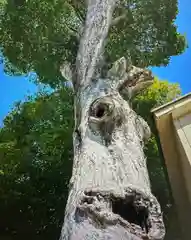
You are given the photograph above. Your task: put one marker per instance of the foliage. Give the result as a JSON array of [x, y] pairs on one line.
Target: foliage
[[35, 161], [157, 94], [35, 166], [38, 35]]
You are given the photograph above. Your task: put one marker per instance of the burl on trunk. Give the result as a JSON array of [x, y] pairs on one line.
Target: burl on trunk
[[110, 195]]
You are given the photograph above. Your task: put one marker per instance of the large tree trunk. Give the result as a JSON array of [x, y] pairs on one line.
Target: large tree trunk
[[110, 195]]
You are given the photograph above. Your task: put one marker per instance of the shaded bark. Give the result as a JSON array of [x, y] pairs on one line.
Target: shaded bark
[[110, 195]]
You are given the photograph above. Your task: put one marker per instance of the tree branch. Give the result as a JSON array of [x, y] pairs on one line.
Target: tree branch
[[80, 15], [66, 71], [128, 79], [75, 6], [116, 20], [137, 80], [97, 24], [73, 30]]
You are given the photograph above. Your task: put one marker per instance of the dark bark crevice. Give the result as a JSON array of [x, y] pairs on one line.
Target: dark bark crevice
[[99, 111], [131, 212], [137, 212]]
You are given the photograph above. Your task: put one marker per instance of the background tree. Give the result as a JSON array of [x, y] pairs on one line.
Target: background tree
[[158, 94], [40, 35], [35, 166]]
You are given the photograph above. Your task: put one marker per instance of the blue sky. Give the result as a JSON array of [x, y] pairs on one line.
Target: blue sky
[[179, 68], [16, 88]]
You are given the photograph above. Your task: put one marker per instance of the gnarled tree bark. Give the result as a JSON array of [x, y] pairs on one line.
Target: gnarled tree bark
[[110, 195]]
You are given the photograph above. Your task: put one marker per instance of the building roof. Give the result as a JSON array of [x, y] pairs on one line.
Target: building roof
[[180, 105]]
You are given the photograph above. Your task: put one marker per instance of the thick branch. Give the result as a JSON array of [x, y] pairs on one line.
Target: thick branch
[[129, 80], [137, 79], [116, 20], [66, 71], [98, 21]]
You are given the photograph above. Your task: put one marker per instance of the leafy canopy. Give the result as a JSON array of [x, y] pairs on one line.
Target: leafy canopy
[[160, 92], [35, 166], [39, 35]]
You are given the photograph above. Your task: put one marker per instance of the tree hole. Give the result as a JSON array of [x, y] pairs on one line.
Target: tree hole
[[130, 212], [100, 111]]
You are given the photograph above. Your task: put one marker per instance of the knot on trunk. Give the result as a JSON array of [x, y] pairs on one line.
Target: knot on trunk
[[106, 114], [129, 80], [143, 129]]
